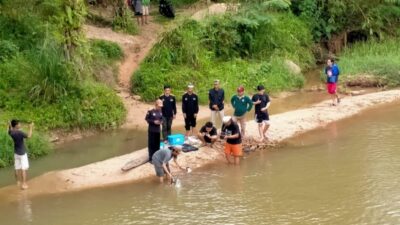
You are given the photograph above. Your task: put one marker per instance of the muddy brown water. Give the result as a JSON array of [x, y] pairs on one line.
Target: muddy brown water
[[345, 173]]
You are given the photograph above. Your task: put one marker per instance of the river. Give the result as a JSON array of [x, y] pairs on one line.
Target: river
[[345, 173]]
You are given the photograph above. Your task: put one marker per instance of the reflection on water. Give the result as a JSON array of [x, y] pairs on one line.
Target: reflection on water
[[24, 207], [345, 173]]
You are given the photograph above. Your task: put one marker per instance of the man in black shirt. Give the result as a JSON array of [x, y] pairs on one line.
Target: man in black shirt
[[190, 108], [208, 134], [168, 111], [21, 162], [262, 102], [154, 118], [216, 98], [230, 132]]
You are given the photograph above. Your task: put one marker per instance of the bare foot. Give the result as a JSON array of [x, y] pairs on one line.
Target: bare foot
[[24, 187]]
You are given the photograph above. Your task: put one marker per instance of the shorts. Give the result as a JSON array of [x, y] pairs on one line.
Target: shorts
[[21, 162], [233, 149], [145, 10], [262, 118], [190, 121], [331, 87]]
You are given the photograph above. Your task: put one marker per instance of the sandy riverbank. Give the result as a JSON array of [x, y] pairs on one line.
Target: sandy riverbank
[[284, 125]]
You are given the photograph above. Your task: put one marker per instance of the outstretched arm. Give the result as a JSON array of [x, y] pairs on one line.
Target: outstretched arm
[[30, 130]]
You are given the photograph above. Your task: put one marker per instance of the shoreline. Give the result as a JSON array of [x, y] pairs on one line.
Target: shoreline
[[283, 126]]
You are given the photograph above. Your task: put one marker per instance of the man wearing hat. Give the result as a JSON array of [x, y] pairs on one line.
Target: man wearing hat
[[216, 98], [190, 108], [261, 104], [242, 104], [230, 132]]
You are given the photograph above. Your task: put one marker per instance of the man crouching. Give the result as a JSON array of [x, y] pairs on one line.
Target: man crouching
[[161, 160]]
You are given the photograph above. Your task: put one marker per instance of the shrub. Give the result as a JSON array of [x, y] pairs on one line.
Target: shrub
[[7, 50], [378, 58]]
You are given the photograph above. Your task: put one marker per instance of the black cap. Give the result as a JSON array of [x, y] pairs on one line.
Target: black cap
[[260, 87]]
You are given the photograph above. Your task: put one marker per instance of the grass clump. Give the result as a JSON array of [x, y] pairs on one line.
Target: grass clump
[[373, 63], [248, 48]]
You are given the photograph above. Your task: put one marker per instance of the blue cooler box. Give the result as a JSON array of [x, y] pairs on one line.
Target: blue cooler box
[[176, 139]]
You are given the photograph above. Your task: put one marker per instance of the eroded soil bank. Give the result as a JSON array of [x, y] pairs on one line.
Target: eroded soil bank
[[283, 126]]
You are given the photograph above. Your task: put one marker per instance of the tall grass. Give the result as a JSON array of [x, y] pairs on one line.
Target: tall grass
[[381, 59]]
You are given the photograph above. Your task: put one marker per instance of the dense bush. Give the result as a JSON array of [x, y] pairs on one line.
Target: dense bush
[[37, 146], [48, 72], [378, 58], [245, 48]]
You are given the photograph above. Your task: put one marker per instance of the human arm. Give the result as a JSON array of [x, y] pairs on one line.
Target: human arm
[[164, 165], [184, 106], [249, 104], [233, 101], [177, 164], [174, 106], [256, 100], [196, 106], [151, 119], [30, 130]]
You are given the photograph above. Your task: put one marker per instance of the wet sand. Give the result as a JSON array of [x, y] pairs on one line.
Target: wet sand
[[283, 126]]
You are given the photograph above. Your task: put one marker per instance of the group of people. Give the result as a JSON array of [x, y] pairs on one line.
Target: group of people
[[141, 9], [233, 129]]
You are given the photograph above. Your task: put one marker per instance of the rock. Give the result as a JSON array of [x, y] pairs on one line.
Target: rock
[[292, 67], [54, 139], [136, 97], [355, 93]]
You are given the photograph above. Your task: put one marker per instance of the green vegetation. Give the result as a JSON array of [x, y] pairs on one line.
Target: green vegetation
[[377, 58], [327, 18], [246, 48], [49, 72], [37, 147]]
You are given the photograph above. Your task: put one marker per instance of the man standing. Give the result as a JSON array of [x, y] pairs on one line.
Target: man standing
[[154, 118], [242, 104], [190, 108], [208, 134], [332, 74], [168, 111], [216, 98], [21, 162], [262, 103], [230, 132]]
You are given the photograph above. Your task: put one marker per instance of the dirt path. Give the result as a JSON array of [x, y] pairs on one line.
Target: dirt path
[[135, 50], [283, 126]]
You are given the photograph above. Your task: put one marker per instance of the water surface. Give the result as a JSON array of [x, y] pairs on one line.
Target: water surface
[[345, 173]]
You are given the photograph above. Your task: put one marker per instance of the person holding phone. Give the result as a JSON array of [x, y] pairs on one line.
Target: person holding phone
[[21, 162]]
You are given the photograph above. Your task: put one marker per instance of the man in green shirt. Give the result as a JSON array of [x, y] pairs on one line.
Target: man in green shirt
[[242, 104]]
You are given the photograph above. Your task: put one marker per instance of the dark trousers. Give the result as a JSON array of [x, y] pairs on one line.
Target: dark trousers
[[153, 143], [166, 127]]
